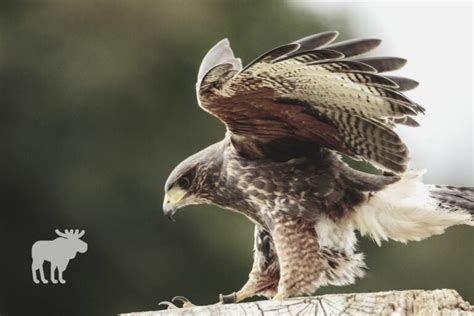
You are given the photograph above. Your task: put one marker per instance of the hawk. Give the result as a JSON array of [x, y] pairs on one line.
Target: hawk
[[291, 115]]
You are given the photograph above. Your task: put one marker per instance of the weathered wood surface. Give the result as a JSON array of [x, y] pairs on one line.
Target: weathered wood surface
[[410, 302]]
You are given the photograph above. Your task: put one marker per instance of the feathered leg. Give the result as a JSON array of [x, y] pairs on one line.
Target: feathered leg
[[301, 263], [263, 279], [309, 262]]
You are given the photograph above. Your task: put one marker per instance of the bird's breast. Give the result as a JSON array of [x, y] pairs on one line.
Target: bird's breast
[[265, 188]]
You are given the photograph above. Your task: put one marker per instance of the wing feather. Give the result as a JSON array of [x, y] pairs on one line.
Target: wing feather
[[404, 84], [346, 66], [221, 53], [307, 43], [313, 91], [355, 47], [311, 56], [315, 41], [384, 64]]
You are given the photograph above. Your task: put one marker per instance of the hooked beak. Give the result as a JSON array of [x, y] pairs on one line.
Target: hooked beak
[[169, 208], [173, 200]]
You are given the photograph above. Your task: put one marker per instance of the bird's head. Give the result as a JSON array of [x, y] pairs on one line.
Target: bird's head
[[190, 182]]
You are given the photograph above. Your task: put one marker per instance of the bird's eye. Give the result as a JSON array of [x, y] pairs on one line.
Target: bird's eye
[[184, 183]]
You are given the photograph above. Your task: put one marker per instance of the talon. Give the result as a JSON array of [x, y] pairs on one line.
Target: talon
[[186, 303], [228, 299], [180, 298], [169, 304]]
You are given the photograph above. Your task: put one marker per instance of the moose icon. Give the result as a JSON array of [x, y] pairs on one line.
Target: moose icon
[[58, 252]]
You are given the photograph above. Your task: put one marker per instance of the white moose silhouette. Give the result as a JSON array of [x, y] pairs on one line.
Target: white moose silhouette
[[58, 251]]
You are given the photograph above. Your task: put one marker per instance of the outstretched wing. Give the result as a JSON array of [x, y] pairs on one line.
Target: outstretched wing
[[312, 91]]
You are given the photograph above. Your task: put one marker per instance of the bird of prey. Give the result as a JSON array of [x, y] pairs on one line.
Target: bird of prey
[[291, 115]]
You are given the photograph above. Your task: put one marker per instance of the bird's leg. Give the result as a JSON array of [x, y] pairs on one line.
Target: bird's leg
[[297, 247], [263, 279], [259, 283]]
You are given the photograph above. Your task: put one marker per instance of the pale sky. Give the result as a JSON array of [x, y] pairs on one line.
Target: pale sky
[[436, 38]]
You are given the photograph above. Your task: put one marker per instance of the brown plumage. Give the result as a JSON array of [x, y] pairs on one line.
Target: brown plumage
[[289, 114], [301, 92]]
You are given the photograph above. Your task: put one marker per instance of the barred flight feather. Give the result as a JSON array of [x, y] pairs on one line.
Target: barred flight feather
[[312, 56], [315, 41], [383, 64], [355, 47], [347, 94], [404, 84], [346, 66]]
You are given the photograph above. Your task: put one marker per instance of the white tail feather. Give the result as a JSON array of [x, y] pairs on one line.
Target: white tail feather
[[405, 211]]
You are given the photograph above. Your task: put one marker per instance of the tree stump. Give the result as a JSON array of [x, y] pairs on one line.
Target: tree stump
[[409, 302]]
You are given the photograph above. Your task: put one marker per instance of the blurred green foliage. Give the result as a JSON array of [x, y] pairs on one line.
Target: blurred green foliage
[[97, 106]]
